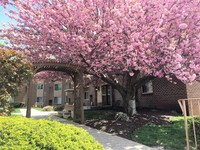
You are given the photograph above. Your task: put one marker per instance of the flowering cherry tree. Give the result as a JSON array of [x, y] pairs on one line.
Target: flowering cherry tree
[[125, 43], [51, 75]]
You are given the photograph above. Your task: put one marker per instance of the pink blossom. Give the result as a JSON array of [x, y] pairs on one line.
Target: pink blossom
[[183, 26], [192, 77], [131, 73]]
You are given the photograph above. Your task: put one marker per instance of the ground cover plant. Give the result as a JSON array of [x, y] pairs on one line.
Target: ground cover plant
[[99, 114], [170, 136], [105, 120], [16, 110], [19, 133]]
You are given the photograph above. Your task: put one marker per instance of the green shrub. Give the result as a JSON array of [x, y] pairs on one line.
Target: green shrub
[[17, 104], [122, 116], [58, 107], [19, 133], [48, 108]]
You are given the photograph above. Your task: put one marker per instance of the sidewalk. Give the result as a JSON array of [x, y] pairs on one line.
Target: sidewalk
[[36, 113], [109, 141]]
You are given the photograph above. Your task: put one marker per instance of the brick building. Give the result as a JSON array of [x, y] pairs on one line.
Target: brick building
[[162, 94], [157, 94], [46, 92]]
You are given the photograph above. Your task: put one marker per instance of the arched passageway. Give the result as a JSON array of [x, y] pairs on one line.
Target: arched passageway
[[75, 71]]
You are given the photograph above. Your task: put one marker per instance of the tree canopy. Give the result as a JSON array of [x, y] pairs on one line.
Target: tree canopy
[[122, 42], [14, 70]]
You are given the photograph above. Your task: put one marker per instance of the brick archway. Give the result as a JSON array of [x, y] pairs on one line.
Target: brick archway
[[75, 71]]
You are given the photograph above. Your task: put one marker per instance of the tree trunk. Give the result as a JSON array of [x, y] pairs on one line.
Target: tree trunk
[[76, 101], [81, 97], [28, 103], [126, 89], [78, 98], [129, 102], [129, 96]]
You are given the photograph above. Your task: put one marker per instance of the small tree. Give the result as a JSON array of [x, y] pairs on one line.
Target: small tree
[[14, 69]]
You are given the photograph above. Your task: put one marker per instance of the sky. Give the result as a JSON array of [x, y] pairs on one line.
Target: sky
[[3, 17]]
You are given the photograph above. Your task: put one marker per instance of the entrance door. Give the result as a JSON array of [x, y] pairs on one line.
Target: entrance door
[[106, 95], [50, 102]]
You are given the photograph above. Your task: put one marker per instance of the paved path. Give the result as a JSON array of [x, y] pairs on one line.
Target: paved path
[[109, 141], [36, 113]]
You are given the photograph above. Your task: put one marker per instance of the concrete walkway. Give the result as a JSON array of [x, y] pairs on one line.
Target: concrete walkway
[[109, 141]]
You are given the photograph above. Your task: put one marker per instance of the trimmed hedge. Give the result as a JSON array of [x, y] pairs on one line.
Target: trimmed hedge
[[58, 107], [19, 133], [17, 104]]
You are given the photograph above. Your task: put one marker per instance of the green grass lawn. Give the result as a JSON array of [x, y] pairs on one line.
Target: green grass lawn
[[171, 136], [99, 114], [94, 114], [17, 110]]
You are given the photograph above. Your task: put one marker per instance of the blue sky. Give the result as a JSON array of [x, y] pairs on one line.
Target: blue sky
[[3, 17]]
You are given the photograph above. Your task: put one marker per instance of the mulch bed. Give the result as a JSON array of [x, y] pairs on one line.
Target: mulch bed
[[125, 129]]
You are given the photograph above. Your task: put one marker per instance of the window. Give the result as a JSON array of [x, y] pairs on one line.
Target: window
[[39, 86], [70, 85], [39, 99], [86, 95], [106, 95], [58, 87], [57, 100], [147, 88]]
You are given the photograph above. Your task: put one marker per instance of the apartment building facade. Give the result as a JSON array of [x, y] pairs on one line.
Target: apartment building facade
[[47, 92], [157, 94]]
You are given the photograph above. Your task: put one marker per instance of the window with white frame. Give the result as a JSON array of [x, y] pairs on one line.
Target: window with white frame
[[147, 88], [40, 86], [58, 86], [57, 100], [39, 99]]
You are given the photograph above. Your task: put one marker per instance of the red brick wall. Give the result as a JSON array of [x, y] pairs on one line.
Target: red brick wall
[[193, 90], [22, 96], [165, 95]]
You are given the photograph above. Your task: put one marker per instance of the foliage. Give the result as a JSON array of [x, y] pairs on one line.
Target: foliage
[[51, 75], [58, 107], [122, 116], [197, 129], [20, 133], [14, 70], [125, 43], [48, 108], [18, 104], [170, 136], [16, 110], [99, 114]]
